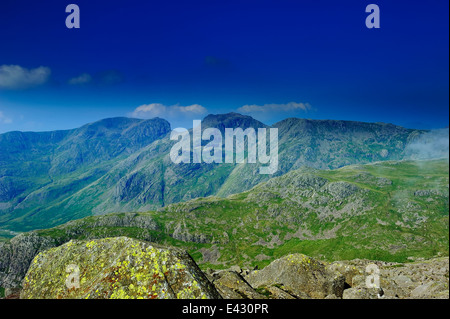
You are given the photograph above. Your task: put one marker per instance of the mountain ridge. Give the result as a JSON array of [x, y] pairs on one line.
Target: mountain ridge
[[111, 166]]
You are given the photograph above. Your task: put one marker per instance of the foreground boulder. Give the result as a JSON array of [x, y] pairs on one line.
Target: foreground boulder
[[426, 279], [115, 268], [299, 276], [128, 268], [231, 285], [17, 254], [418, 280]]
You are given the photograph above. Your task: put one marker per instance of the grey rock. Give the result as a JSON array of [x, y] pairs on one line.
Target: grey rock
[[300, 275], [231, 285], [277, 293], [17, 256], [430, 290], [362, 293]]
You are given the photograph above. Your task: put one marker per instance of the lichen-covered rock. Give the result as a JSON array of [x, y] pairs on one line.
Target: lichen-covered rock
[[111, 268], [5, 259], [278, 293], [12, 293], [431, 290], [418, 280], [16, 255], [231, 285], [350, 270], [341, 190], [362, 293], [300, 275]]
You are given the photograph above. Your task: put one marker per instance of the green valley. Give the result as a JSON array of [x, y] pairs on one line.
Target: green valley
[[394, 211]]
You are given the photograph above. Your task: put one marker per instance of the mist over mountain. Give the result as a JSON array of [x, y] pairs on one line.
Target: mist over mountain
[[122, 164], [433, 144]]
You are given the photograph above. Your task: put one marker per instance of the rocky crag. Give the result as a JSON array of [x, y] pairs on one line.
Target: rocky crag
[[390, 212], [127, 268]]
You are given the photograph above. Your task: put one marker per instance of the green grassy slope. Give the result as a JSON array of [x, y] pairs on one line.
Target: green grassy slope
[[390, 211]]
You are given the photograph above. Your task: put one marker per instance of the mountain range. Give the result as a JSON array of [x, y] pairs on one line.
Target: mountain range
[[123, 165]]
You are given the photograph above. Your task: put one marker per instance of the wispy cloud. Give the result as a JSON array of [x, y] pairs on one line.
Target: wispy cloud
[[176, 114], [102, 78], [81, 79], [15, 77], [4, 119], [160, 110], [433, 144], [267, 108]]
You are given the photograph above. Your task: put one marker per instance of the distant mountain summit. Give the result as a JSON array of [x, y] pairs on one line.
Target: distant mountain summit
[[38, 168], [104, 140], [231, 120], [122, 164]]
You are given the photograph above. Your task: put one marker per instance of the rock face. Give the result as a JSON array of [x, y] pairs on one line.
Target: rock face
[[115, 268], [417, 280], [16, 255], [231, 285], [301, 276]]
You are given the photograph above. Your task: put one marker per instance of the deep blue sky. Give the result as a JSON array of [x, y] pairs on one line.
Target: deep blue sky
[[222, 55]]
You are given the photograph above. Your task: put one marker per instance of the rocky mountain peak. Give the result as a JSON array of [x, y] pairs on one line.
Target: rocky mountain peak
[[231, 120]]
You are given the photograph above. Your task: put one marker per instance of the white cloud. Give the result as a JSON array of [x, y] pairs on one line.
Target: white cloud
[[13, 77], [164, 111], [4, 119], [288, 107], [82, 79], [430, 145], [177, 115]]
